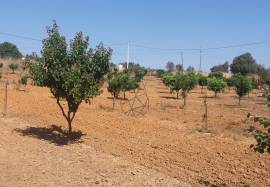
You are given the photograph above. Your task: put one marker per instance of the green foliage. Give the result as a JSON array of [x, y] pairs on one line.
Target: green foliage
[[23, 80], [216, 74], [243, 86], [140, 73], [168, 79], [13, 67], [221, 68], [73, 74], [202, 80], [187, 83], [254, 83], [170, 66], [262, 137], [115, 85], [160, 72], [230, 82], [9, 50], [244, 64], [216, 85]]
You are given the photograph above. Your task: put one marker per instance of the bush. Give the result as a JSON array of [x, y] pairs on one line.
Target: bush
[[262, 137], [218, 75], [216, 85], [23, 80], [13, 67], [243, 86]]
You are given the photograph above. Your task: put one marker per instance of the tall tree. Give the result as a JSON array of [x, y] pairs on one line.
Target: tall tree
[[244, 64], [73, 75], [9, 50]]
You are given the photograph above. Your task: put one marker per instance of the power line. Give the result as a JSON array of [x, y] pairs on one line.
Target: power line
[[237, 45], [19, 36], [165, 49]]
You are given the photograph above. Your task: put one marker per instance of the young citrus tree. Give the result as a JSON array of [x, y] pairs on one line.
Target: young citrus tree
[[202, 81], [13, 67], [216, 85], [72, 74], [187, 83], [243, 86], [114, 86]]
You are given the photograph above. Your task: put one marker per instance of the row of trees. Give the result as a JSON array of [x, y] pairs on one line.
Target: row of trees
[[182, 83]]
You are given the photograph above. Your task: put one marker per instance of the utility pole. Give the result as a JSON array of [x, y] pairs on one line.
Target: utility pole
[[127, 54], [182, 59], [200, 68]]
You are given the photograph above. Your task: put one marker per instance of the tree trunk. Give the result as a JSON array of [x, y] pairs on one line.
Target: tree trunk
[[124, 95], [201, 89], [184, 101], [239, 101], [69, 126], [113, 102], [177, 95], [215, 94]]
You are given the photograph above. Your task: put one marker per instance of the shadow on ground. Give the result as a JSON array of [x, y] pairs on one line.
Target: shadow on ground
[[53, 134]]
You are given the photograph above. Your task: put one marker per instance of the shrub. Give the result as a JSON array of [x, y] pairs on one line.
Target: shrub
[[216, 85], [243, 86], [13, 67], [23, 80], [262, 137], [218, 75], [75, 74]]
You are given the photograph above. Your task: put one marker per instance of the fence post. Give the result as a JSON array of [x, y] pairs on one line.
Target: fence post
[[5, 98]]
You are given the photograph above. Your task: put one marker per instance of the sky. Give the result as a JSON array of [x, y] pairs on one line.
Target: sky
[[151, 27]]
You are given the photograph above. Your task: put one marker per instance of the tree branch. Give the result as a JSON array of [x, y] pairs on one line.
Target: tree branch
[[62, 109]]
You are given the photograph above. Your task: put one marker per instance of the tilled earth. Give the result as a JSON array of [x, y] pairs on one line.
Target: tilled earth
[[165, 147]]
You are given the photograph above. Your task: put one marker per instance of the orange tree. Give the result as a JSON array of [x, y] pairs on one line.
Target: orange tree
[[72, 74]]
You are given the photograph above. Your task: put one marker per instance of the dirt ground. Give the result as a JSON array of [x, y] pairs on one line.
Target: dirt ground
[[162, 148]]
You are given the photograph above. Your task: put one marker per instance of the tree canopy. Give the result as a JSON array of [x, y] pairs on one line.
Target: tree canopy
[[9, 50], [170, 66], [72, 74], [244, 64], [221, 68]]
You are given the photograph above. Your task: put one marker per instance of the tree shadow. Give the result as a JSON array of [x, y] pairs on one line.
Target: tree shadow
[[53, 134], [168, 97]]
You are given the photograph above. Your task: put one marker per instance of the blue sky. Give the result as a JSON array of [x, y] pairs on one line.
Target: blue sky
[[156, 23]]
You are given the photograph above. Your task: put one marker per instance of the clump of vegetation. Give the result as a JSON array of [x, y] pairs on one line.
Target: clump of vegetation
[[23, 80], [244, 64], [217, 74], [187, 82], [13, 67], [72, 74], [243, 86], [202, 80], [262, 137], [216, 85], [9, 50], [221, 68]]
